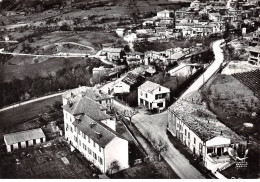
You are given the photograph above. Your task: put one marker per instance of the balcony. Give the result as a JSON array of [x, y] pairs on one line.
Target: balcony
[[218, 159]]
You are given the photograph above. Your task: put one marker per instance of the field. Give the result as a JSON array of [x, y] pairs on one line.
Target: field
[[18, 115], [234, 104]]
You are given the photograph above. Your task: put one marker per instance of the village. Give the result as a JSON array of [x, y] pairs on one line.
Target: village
[[176, 91]]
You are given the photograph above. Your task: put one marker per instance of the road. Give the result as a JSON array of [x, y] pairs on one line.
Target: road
[[31, 101], [211, 70], [156, 125]]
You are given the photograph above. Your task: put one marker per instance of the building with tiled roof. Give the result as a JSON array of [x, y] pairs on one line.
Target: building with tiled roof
[[153, 96], [91, 130], [23, 139], [90, 92], [199, 129]]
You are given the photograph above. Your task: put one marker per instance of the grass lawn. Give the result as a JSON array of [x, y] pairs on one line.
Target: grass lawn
[[18, 115]]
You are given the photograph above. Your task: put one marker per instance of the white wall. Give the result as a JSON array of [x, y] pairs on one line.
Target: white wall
[[117, 150], [111, 123], [121, 87]]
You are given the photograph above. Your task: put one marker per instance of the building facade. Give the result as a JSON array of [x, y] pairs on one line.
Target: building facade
[[23, 139], [153, 96], [91, 130]]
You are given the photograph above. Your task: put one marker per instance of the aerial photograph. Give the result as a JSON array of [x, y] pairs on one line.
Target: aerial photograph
[[129, 89]]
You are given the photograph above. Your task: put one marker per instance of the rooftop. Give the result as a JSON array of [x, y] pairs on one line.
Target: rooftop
[[84, 91], [131, 79], [149, 86], [200, 120], [94, 128], [23, 136], [114, 50], [88, 107]]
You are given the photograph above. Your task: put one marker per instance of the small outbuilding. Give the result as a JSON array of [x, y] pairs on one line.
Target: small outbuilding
[[23, 139]]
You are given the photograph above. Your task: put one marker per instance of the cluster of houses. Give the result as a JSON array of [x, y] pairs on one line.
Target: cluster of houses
[[200, 19]]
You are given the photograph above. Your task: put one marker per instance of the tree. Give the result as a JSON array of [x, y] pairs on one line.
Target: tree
[[113, 166], [129, 114], [160, 148]]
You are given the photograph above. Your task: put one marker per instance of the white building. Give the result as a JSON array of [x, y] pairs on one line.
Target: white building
[[164, 14], [23, 139], [130, 38], [153, 96], [254, 55], [89, 129], [90, 92], [127, 83], [202, 133], [120, 32]]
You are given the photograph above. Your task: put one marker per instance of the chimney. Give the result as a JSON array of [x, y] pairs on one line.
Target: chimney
[[92, 125], [98, 135], [70, 103]]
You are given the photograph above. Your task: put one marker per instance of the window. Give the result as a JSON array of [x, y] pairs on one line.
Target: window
[[67, 126], [79, 142], [75, 129], [185, 132], [159, 88], [209, 150], [145, 95], [194, 140], [76, 139], [141, 93], [188, 135], [200, 147], [89, 151], [94, 144], [88, 140], [71, 129], [95, 155], [99, 149], [100, 160]]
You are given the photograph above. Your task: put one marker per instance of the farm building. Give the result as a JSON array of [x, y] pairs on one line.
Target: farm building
[[23, 139]]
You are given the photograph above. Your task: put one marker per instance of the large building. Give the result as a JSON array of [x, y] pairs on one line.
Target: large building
[[153, 96], [23, 139], [91, 130], [198, 129]]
